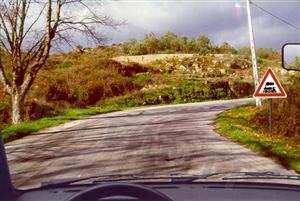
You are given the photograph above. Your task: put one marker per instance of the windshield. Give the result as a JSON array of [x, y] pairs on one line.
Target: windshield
[[90, 88]]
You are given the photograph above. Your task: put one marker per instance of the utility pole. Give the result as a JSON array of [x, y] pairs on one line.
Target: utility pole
[[253, 55]]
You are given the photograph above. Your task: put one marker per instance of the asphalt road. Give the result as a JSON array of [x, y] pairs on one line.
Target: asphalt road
[[163, 139]]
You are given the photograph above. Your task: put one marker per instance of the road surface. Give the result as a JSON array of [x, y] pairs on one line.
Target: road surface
[[162, 139]]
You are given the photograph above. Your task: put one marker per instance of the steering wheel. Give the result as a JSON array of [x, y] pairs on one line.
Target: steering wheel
[[120, 189]]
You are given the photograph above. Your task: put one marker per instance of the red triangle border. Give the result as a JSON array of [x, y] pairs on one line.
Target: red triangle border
[[282, 93]]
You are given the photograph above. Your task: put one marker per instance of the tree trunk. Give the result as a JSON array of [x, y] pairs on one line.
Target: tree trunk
[[17, 106]]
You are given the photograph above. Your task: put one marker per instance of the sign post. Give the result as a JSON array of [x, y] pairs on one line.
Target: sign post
[[270, 115], [270, 88]]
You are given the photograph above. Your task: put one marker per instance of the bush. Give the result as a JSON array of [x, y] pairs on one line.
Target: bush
[[267, 53], [4, 112], [161, 96], [127, 70], [169, 43], [86, 82], [220, 90], [262, 53], [36, 110], [180, 91], [242, 89], [191, 91]]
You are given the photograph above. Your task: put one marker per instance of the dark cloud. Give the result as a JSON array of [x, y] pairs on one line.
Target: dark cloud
[[220, 20]]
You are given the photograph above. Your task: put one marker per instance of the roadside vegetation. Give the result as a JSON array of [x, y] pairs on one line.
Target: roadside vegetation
[[249, 126], [170, 43], [107, 78]]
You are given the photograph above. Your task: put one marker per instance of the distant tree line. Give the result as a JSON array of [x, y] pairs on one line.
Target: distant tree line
[[172, 43]]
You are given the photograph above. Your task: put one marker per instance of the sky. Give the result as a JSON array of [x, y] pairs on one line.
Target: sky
[[220, 20]]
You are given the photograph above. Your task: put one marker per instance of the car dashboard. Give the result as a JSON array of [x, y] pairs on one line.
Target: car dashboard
[[207, 191]]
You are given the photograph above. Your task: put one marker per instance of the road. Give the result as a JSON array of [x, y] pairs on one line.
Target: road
[[162, 139]]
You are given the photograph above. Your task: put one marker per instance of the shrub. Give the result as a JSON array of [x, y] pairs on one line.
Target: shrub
[[86, 82], [262, 53], [242, 88], [142, 79], [168, 43], [191, 91], [219, 90], [226, 48], [4, 112], [127, 70], [267, 53], [36, 110]]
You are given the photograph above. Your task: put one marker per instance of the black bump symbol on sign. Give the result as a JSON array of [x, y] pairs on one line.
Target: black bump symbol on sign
[[269, 87]]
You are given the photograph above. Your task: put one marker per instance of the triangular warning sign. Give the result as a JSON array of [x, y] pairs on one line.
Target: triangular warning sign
[[269, 87]]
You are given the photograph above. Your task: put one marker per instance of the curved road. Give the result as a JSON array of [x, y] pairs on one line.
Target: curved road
[[162, 139]]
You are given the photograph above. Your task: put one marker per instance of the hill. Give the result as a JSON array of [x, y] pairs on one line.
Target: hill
[[83, 79], [106, 75]]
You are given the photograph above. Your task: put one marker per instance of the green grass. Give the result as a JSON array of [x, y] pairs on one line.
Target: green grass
[[12, 132], [236, 125]]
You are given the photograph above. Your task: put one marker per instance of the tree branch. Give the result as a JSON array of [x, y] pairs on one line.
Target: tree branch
[[42, 53], [23, 15], [3, 79], [4, 27]]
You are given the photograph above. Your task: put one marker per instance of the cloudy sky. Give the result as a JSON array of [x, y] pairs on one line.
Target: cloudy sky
[[220, 20]]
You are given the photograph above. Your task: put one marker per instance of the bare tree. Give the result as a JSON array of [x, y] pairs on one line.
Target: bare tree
[[28, 30]]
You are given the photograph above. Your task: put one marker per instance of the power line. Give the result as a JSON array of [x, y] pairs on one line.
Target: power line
[[275, 16]]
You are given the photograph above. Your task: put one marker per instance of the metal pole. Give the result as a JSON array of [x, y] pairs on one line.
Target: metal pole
[[253, 55], [270, 115]]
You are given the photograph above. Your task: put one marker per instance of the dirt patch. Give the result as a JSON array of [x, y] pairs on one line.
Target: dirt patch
[[147, 59]]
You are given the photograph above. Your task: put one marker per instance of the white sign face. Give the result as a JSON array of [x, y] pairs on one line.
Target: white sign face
[[269, 87]]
